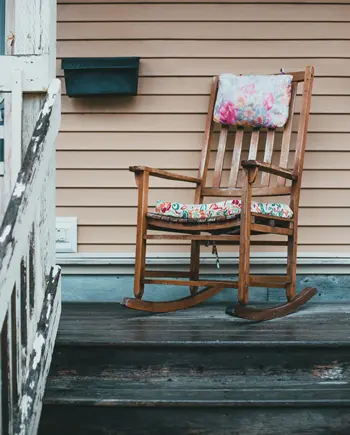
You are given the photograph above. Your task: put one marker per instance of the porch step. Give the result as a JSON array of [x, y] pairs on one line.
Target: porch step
[[117, 371]]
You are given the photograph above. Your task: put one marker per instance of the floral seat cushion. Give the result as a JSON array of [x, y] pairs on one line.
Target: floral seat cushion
[[219, 210], [253, 100]]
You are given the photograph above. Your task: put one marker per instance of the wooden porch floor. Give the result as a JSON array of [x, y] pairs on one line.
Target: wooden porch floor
[[120, 372], [107, 323]]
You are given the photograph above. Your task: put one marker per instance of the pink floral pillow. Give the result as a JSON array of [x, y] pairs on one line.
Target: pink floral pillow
[[253, 100]]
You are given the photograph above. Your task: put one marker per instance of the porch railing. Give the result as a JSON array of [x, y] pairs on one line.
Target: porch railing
[[29, 279]]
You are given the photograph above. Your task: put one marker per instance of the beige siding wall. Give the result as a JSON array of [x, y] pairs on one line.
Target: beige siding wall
[[181, 46]]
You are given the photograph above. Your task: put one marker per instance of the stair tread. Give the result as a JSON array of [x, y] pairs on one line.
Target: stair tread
[[112, 392], [111, 324]]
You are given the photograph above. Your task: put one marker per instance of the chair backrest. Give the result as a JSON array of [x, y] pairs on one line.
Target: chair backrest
[[225, 147]]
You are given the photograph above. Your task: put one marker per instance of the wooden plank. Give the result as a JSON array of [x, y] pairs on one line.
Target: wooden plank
[[160, 173], [179, 123], [236, 158], [219, 160], [270, 138], [35, 72], [228, 284], [207, 12], [12, 136], [16, 128], [196, 30], [102, 179], [181, 141], [253, 149], [178, 161], [204, 237], [182, 104], [209, 49], [128, 197], [286, 138]]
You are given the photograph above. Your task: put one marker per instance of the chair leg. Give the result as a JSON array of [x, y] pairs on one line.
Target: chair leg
[[244, 243], [244, 266], [292, 267], [140, 263], [194, 266], [140, 253]]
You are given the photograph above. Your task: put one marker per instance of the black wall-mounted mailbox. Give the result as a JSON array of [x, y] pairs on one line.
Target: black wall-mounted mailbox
[[97, 76]]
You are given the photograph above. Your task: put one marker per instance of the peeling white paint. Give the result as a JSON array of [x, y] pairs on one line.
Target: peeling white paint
[[25, 406], [49, 103], [5, 233], [38, 347], [49, 307], [35, 145], [55, 271], [19, 189]]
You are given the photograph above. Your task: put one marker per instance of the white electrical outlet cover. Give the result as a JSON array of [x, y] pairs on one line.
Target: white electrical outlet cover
[[66, 234]]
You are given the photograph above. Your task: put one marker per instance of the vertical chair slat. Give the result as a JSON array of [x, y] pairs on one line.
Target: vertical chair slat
[[270, 139], [287, 134], [236, 158], [219, 163], [253, 149], [208, 133]]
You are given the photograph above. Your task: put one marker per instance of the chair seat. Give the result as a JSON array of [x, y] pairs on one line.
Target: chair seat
[[215, 212]]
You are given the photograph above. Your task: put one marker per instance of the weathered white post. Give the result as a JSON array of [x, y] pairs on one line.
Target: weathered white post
[[30, 298], [31, 30]]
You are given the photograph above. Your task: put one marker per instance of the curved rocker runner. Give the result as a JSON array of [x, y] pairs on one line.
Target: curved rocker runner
[[167, 307], [274, 312], [250, 111]]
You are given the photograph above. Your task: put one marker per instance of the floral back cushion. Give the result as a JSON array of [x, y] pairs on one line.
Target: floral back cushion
[[253, 100]]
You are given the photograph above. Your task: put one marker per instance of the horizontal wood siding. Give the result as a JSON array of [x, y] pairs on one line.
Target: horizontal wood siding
[[182, 45]]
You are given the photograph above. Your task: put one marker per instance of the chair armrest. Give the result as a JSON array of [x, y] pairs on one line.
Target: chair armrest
[[164, 174], [268, 167]]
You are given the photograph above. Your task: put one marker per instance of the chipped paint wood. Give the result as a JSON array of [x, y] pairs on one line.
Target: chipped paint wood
[[30, 28], [40, 359], [12, 136], [27, 254], [35, 72], [35, 34]]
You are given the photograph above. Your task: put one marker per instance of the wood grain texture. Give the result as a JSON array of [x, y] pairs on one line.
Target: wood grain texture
[[185, 379], [211, 12], [179, 122], [210, 49], [181, 141], [195, 30]]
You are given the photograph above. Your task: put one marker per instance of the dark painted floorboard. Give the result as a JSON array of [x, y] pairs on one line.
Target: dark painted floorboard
[[199, 372], [84, 323]]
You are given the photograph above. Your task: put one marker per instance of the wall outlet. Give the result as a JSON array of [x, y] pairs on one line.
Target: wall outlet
[[66, 234]]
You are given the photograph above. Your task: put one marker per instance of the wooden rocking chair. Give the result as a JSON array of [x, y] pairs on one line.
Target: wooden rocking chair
[[248, 178]]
